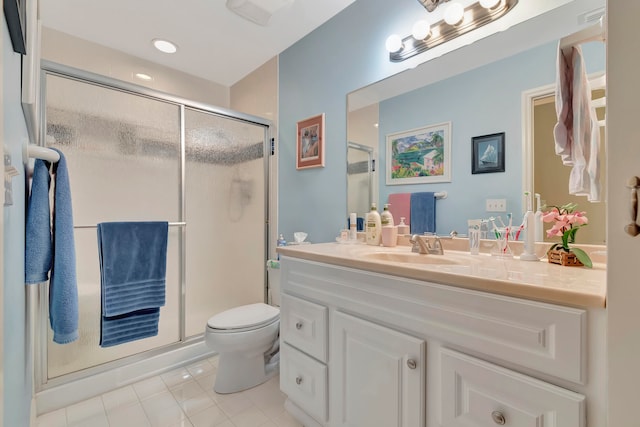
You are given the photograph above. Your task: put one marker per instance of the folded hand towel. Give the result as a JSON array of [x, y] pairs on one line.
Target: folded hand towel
[[63, 286], [133, 263], [37, 257], [423, 213]]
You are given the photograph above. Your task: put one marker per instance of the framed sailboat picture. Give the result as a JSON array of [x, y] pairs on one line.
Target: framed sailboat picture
[[487, 153]]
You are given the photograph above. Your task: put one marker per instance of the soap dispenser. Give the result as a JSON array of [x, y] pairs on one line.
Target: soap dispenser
[[373, 226], [402, 227], [386, 217]]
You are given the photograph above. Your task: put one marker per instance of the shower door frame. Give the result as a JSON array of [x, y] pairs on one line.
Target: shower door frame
[[37, 301]]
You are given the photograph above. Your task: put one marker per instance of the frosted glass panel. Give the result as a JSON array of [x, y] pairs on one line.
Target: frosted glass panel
[[123, 155], [225, 199]]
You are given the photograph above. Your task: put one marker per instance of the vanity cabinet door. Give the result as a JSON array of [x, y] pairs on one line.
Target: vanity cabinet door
[[476, 393], [377, 375]]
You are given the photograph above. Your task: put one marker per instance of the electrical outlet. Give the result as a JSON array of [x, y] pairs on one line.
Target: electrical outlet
[[496, 205]]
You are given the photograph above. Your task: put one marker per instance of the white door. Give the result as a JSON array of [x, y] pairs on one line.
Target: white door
[[377, 375], [623, 139]]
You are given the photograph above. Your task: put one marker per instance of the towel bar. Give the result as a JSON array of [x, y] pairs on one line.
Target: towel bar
[[43, 153], [171, 224]]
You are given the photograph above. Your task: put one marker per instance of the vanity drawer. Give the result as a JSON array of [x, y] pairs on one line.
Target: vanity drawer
[[478, 393], [303, 324], [304, 381]]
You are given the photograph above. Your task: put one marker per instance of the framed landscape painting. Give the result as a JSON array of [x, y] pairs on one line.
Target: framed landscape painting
[[419, 156]]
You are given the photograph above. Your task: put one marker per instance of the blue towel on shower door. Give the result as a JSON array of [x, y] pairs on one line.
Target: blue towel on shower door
[[423, 212], [133, 259], [38, 249], [63, 286]]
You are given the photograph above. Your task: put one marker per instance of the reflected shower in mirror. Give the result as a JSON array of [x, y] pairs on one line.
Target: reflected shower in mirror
[[360, 168], [478, 101]]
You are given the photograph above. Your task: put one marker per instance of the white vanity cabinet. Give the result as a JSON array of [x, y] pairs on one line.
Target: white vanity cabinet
[[364, 349], [377, 375]]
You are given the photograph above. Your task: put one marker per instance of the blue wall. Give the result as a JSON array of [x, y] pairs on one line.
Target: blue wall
[[315, 76], [17, 369], [347, 53]]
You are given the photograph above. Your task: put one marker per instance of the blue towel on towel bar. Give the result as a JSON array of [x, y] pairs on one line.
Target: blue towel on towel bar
[[129, 327], [133, 260], [423, 212], [38, 253], [53, 249]]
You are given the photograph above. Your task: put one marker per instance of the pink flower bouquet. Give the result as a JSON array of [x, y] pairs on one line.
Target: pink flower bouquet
[[566, 222]]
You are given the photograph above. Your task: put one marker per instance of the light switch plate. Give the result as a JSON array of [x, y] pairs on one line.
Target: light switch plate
[[496, 205]]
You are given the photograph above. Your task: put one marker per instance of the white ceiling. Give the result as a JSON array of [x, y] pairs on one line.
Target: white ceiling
[[213, 42]]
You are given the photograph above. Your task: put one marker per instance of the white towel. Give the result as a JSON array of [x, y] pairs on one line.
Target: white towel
[[577, 134], [585, 175], [563, 129]]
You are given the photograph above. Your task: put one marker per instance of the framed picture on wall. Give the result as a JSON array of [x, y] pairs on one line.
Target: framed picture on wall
[[419, 156], [487, 153], [310, 142]]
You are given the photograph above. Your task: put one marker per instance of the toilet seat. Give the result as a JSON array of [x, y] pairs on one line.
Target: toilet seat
[[244, 318]]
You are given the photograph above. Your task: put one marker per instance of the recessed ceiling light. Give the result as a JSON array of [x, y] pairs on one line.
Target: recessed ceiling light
[[165, 46], [143, 76]]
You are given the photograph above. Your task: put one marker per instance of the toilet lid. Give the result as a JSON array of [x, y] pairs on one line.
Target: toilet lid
[[246, 316]]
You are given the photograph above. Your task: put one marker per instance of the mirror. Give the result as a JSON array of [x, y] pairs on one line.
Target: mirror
[[479, 98]]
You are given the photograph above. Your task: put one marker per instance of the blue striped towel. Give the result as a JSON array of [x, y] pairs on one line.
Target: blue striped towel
[[133, 260], [129, 327]]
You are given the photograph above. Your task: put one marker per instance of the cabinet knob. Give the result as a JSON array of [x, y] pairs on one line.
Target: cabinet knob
[[298, 325], [498, 418], [299, 381], [412, 364]]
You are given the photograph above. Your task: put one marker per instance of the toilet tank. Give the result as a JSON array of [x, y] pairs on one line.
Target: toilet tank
[[273, 275]]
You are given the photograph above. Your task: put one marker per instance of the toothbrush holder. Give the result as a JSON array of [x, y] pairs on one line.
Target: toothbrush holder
[[503, 236]]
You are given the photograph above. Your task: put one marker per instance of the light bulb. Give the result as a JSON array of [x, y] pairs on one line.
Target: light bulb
[[164, 46], [393, 43], [421, 30], [453, 13], [489, 4]]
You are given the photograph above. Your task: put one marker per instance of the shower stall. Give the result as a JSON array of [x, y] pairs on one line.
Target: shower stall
[[137, 155]]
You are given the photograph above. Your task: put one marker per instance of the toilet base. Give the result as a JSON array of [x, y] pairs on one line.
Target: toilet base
[[236, 372]]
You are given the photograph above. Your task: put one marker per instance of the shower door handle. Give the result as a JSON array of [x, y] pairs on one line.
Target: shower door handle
[[632, 228]]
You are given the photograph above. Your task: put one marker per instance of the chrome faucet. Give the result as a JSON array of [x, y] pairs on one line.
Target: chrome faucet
[[423, 244]]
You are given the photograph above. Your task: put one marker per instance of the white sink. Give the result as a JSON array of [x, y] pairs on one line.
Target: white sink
[[412, 258]]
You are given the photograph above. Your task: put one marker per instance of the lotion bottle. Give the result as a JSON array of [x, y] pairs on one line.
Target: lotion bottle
[[538, 221], [529, 253], [373, 226], [386, 217]]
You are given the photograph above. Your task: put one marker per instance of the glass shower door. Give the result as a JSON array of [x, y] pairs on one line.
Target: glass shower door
[[123, 156], [226, 213]]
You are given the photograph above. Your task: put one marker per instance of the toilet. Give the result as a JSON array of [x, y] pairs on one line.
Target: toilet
[[247, 340]]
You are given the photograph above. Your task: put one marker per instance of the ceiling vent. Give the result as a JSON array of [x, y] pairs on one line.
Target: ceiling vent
[[258, 11]]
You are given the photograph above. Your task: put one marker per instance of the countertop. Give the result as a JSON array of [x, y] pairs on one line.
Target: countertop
[[536, 280]]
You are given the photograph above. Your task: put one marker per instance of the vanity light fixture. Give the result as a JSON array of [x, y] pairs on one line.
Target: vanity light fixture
[[164, 45], [457, 20]]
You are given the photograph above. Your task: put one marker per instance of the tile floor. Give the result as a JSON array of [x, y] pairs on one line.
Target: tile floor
[[180, 398]]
